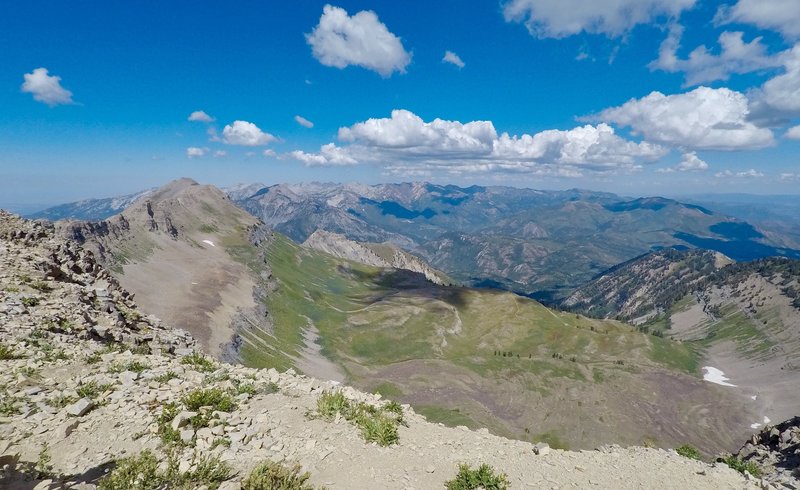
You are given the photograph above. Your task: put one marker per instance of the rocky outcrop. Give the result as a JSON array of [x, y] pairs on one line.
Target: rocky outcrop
[[776, 451], [376, 254]]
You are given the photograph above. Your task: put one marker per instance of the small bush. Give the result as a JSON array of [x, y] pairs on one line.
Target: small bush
[[275, 476], [199, 362], [141, 473], [688, 451], [164, 421], [742, 466], [376, 424], [378, 428], [163, 378], [93, 358], [213, 397], [7, 353], [7, 404], [92, 389], [482, 478], [29, 302], [134, 473], [134, 366], [40, 285]]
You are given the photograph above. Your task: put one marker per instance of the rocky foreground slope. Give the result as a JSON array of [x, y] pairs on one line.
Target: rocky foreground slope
[[86, 380]]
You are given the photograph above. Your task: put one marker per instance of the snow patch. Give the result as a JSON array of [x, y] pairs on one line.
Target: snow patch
[[756, 425], [209, 242], [754, 397], [714, 375]]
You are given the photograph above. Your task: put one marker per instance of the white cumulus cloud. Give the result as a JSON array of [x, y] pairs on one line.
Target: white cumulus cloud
[[220, 154], [406, 144], [303, 122], [779, 97], [780, 15], [196, 152], [703, 119], [793, 133], [690, 162], [340, 40], [245, 133], [46, 88], [613, 18], [453, 59], [200, 116], [329, 154], [702, 66]]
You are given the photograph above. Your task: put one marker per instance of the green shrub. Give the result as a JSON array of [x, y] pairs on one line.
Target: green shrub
[[92, 389], [213, 397], [93, 358], [142, 473], [275, 476], [377, 424], [134, 473], [742, 466], [199, 362], [29, 302], [134, 366], [7, 353], [482, 478], [688, 451], [163, 378]]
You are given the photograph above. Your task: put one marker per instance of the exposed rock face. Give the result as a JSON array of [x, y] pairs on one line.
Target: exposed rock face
[[74, 399], [54, 284], [179, 236], [776, 450], [375, 254]]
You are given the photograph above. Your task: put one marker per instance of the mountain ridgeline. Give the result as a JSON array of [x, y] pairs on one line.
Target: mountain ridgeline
[[538, 243]]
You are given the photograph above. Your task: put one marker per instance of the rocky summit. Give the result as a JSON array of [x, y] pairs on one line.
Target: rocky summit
[[94, 393]]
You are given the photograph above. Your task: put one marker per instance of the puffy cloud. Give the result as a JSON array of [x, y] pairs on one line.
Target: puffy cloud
[[407, 130], [303, 122], [735, 56], [245, 133], [406, 143], [792, 133], [705, 118], [46, 88], [779, 98], [592, 146], [195, 152], [329, 155], [691, 163], [268, 153], [780, 15], [200, 116], [752, 173], [340, 40], [220, 154], [548, 18], [453, 59]]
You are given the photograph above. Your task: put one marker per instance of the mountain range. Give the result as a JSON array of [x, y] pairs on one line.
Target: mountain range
[[321, 278]]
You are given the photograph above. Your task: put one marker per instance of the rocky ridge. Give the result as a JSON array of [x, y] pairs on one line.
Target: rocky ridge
[[776, 449], [88, 379], [375, 254]]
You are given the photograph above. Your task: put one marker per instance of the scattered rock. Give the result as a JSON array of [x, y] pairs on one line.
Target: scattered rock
[[80, 407]]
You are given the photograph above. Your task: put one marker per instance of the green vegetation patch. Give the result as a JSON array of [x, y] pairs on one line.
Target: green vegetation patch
[[7, 353], [742, 466], [142, 472], [377, 424], [270, 475], [690, 452], [199, 362], [484, 477]]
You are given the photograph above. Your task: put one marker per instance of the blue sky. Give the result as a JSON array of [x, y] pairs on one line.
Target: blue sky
[[617, 95]]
